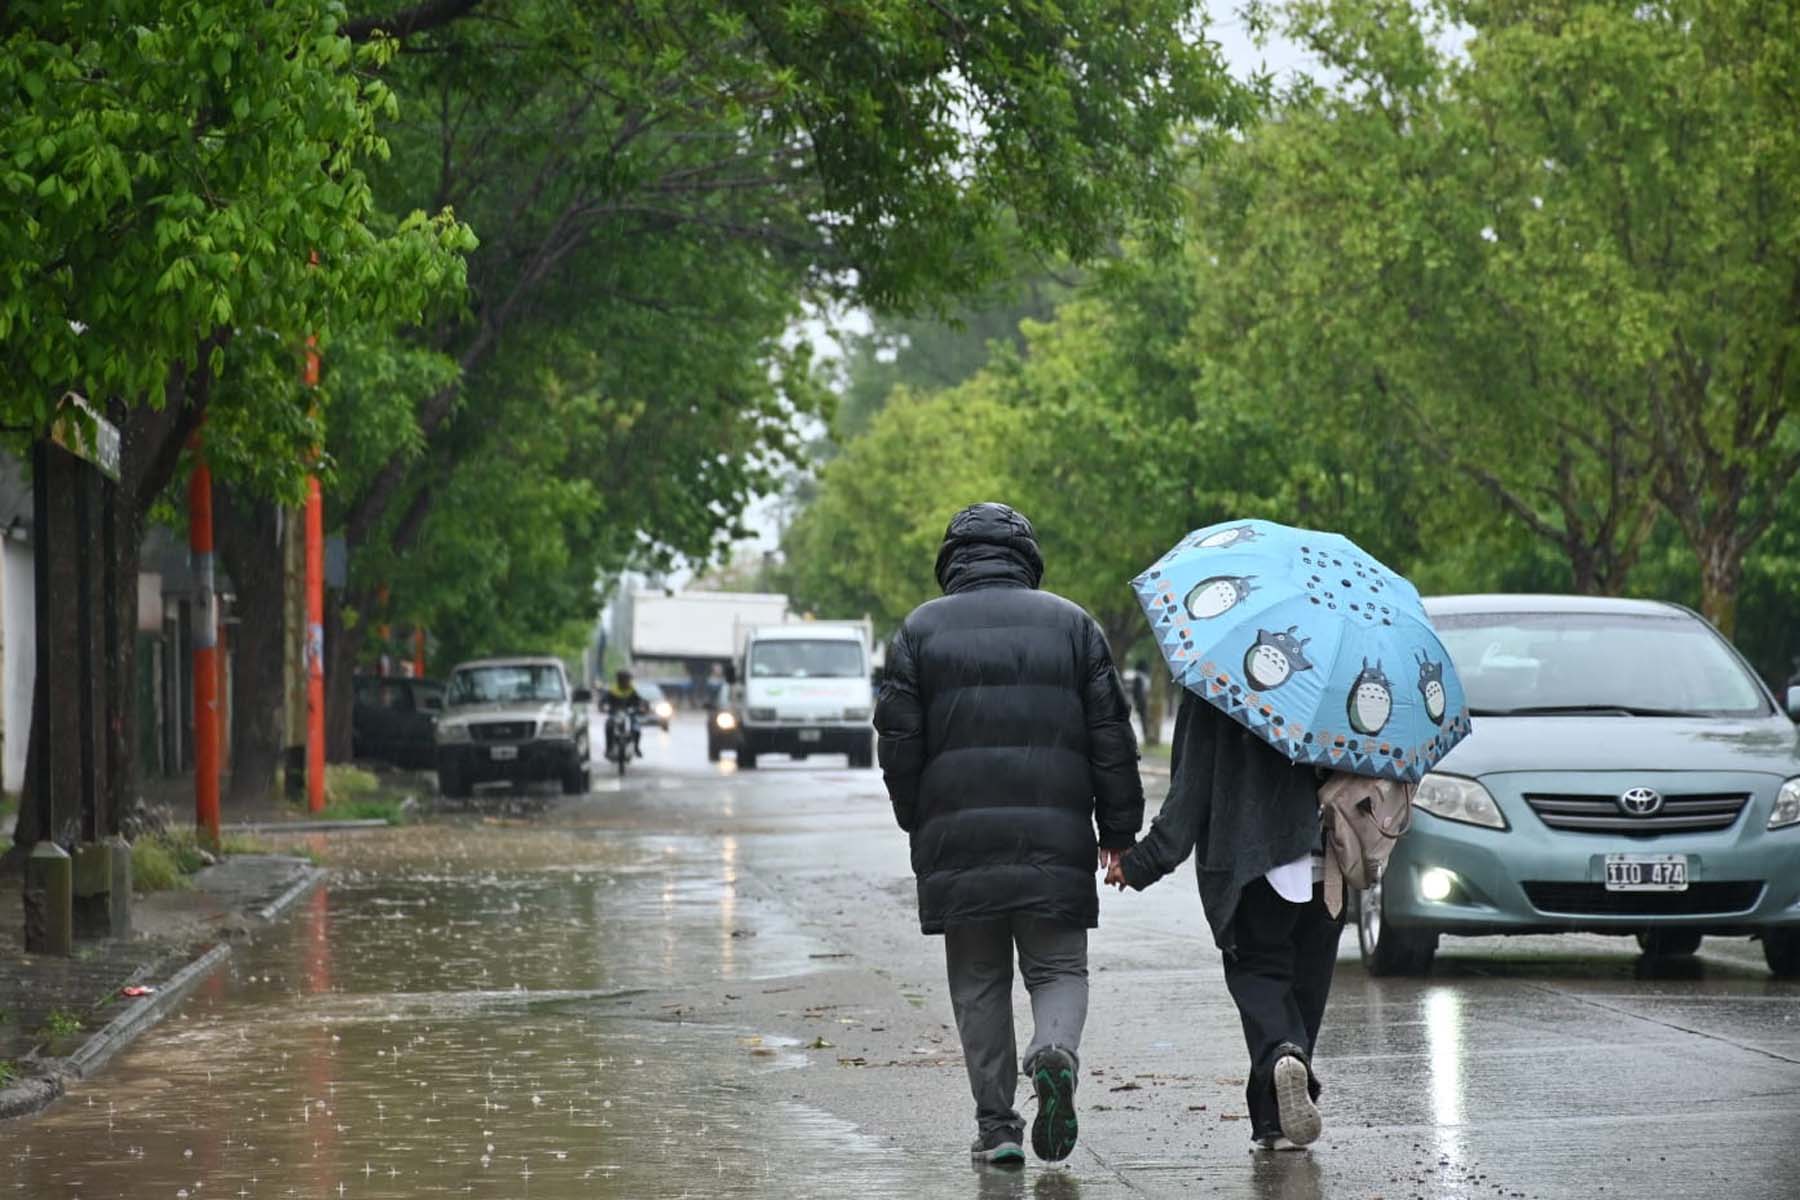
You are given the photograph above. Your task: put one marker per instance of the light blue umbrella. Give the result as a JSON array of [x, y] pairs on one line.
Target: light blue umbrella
[[1310, 643]]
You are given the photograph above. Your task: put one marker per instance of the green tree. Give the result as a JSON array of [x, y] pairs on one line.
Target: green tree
[[169, 171], [625, 166]]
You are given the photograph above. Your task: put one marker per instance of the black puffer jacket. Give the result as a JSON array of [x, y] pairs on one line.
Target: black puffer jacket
[[1005, 736]]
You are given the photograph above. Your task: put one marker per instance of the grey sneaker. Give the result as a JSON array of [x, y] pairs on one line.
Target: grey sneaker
[[1000, 1148], [1300, 1120], [1053, 1132]]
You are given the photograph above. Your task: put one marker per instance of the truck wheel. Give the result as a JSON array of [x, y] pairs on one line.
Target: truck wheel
[[1781, 947], [451, 782], [1391, 949], [1668, 943]]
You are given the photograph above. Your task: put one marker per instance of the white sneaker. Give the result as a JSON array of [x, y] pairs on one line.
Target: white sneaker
[[1278, 1142], [1300, 1120]]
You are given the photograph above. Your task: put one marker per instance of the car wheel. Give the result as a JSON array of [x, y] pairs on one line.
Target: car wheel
[[1668, 943], [746, 760], [712, 750], [1391, 949], [1781, 948], [862, 760]]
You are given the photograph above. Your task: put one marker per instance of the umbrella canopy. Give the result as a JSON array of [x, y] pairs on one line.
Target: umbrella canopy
[[1310, 643]]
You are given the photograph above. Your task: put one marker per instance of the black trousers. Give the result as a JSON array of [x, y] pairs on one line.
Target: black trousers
[[1279, 974]]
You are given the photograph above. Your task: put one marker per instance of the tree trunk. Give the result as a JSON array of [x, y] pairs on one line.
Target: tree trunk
[[1721, 571], [150, 445], [248, 533]]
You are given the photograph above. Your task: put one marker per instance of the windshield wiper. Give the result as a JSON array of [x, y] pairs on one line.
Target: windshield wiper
[[1576, 710]]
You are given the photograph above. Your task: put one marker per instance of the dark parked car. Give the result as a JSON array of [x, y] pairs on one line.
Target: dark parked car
[[394, 720]]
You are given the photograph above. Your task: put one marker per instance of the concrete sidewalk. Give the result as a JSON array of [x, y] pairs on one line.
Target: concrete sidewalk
[[62, 1018]]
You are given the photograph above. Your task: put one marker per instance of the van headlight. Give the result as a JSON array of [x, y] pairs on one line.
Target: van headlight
[[664, 709], [725, 720], [1457, 799], [1787, 806], [555, 728], [452, 731]]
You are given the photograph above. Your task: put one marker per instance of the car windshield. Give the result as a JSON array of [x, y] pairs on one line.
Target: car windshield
[[1625, 663], [806, 660], [500, 684]]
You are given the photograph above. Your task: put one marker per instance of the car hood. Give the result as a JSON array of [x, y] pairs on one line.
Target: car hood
[[1581, 743], [523, 711]]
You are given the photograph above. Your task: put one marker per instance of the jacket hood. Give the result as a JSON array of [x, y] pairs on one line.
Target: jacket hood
[[988, 545]]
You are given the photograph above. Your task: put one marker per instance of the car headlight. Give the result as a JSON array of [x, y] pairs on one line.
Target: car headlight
[[452, 731], [856, 714], [1456, 799], [664, 709], [761, 714], [554, 728], [725, 721], [1787, 806]]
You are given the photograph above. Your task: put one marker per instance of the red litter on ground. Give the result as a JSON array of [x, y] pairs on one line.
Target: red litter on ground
[[136, 990]]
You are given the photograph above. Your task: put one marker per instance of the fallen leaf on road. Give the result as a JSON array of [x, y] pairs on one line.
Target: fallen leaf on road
[[820, 1044], [136, 990], [1127, 1087]]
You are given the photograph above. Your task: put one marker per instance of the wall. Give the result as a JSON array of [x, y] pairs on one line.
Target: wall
[[18, 658]]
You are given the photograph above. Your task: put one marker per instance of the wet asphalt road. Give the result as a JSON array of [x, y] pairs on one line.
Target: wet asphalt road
[[700, 983]]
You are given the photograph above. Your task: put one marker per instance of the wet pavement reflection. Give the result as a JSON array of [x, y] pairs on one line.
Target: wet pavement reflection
[[700, 982]]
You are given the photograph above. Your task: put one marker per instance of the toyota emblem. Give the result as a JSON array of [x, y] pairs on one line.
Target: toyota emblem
[[1640, 802]]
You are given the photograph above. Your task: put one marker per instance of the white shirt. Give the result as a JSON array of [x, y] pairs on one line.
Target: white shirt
[[1294, 881]]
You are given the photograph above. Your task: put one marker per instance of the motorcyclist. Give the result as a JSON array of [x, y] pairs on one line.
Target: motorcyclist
[[623, 694]]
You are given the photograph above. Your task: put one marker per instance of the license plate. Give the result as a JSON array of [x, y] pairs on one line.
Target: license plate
[[503, 753], [810, 735], [1646, 872]]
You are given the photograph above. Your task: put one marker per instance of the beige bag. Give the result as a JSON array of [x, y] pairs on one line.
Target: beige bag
[[1363, 818]]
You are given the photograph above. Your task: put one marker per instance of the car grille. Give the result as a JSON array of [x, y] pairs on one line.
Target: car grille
[[500, 731], [1698, 813], [1592, 899]]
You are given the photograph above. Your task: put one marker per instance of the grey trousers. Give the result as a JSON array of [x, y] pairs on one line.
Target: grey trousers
[[1053, 960]]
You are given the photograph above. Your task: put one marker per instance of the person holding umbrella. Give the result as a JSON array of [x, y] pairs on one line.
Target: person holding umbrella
[[1284, 640]]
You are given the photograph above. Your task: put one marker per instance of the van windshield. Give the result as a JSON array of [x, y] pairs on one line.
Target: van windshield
[[806, 660]]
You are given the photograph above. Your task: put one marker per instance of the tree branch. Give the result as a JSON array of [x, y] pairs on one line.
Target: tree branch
[[408, 21]]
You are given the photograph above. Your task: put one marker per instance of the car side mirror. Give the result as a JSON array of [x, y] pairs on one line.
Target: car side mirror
[[583, 696], [730, 673], [1793, 701]]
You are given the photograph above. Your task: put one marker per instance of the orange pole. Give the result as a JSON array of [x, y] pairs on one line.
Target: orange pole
[[418, 653], [315, 620], [205, 634]]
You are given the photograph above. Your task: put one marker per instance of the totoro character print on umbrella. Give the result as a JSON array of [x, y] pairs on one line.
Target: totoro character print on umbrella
[[1371, 700], [1219, 595], [1224, 539], [1431, 689], [1275, 658], [1247, 610]]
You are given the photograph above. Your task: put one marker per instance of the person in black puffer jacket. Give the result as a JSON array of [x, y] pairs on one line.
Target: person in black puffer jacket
[[1007, 748]]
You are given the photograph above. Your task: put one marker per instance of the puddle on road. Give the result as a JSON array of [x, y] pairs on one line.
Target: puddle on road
[[471, 1021]]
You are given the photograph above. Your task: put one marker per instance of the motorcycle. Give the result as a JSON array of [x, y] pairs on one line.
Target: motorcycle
[[621, 736]]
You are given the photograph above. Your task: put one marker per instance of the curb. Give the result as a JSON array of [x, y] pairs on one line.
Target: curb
[[307, 826], [29, 1096]]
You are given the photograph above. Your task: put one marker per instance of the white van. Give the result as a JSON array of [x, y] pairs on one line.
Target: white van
[[805, 689]]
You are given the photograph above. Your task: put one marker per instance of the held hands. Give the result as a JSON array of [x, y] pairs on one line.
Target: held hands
[[1110, 861]]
